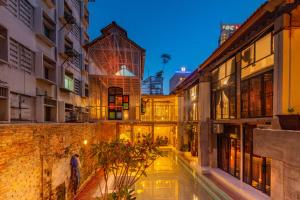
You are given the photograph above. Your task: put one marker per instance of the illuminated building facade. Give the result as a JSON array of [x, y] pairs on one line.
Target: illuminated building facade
[[116, 71], [242, 87], [177, 78], [226, 31]]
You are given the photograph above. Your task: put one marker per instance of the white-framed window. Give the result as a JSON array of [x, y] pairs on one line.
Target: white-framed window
[[69, 82]]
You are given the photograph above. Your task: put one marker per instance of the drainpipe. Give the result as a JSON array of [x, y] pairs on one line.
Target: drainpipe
[[290, 59]]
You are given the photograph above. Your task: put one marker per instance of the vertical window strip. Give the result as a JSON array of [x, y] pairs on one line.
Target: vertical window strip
[[77, 86], [13, 53]]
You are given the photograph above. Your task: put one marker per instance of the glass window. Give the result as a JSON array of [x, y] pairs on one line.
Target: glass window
[[263, 47], [229, 150], [223, 90], [248, 56], [257, 169], [257, 96], [69, 82]]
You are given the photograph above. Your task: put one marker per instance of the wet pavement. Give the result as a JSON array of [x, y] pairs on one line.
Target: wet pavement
[[166, 179]]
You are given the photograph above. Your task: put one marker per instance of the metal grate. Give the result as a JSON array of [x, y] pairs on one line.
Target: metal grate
[[23, 10], [76, 60], [13, 53], [77, 86], [76, 31], [20, 56]]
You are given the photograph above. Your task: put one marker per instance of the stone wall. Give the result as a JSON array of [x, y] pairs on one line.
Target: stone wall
[[284, 150], [35, 158]]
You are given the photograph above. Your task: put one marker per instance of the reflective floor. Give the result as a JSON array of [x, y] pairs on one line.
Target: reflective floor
[[168, 180]]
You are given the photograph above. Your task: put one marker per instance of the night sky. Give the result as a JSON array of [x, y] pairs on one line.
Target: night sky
[[188, 30]]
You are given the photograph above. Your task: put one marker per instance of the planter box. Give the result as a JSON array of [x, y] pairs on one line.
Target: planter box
[[289, 122]]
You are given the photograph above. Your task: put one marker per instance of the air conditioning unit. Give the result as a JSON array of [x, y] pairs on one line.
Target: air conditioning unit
[[70, 52], [218, 128], [70, 19]]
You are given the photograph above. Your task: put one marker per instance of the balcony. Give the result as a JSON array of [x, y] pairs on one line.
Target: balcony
[[45, 27], [45, 69]]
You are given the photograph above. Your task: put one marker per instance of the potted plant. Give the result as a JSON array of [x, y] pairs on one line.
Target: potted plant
[[290, 121], [123, 163]]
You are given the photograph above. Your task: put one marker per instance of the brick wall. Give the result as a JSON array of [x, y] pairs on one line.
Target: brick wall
[[35, 158]]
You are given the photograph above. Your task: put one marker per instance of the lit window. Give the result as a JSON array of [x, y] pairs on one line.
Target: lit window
[[69, 82]]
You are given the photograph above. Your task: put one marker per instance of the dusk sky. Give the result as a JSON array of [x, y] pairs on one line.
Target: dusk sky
[[188, 30]]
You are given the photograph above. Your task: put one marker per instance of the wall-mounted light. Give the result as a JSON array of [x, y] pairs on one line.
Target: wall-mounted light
[[85, 142]]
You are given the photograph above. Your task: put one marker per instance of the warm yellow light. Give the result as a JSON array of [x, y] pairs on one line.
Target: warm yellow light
[[125, 115], [85, 142], [139, 191]]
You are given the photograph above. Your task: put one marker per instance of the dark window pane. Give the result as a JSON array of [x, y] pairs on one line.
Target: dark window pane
[[255, 97], [268, 94]]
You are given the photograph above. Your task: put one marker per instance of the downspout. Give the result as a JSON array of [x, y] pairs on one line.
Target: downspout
[[290, 60]]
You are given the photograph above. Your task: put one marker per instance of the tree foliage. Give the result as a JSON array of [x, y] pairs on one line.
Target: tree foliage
[[125, 162]]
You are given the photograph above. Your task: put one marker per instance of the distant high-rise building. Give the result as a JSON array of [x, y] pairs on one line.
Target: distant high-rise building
[[226, 31], [177, 78], [153, 84]]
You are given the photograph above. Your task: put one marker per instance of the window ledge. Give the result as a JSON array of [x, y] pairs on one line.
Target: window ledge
[[49, 82], [66, 90], [46, 40], [3, 61]]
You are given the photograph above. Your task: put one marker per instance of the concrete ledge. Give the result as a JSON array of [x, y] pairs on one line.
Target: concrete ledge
[[238, 186], [282, 145]]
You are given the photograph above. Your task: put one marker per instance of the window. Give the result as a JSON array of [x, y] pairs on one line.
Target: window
[[229, 151], [21, 57], [263, 47], [23, 10], [22, 107], [117, 103], [77, 86], [86, 90], [257, 169], [3, 44], [257, 96], [223, 91], [69, 82], [49, 28], [192, 103], [258, 56], [49, 69], [248, 56]]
